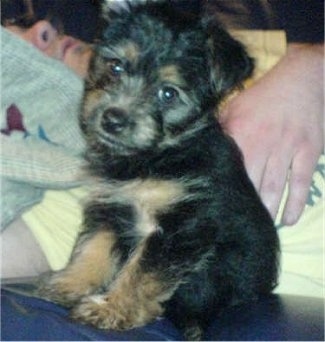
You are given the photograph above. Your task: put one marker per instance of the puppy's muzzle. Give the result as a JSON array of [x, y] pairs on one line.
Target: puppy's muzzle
[[114, 120]]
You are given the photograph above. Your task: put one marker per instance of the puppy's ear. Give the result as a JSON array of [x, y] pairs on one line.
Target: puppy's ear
[[119, 6], [230, 64], [109, 7]]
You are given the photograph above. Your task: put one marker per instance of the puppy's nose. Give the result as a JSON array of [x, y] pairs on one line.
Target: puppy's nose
[[114, 120]]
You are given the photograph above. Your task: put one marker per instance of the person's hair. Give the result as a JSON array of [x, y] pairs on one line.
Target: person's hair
[[73, 17], [25, 13]]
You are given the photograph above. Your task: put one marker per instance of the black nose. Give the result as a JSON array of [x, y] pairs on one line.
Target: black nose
[[114, 120]]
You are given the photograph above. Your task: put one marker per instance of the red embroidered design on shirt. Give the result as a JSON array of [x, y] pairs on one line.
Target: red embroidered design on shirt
[[14, 121]]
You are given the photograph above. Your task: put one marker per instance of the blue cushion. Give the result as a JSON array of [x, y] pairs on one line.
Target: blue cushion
[[25, 318], [282, 318], [273, 318]]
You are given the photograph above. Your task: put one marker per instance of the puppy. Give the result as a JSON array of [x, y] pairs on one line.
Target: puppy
[[174, 226]]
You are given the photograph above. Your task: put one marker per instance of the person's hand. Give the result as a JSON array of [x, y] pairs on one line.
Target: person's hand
[[278, 124]]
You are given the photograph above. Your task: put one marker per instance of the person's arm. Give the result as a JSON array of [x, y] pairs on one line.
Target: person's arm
[[278, 123]]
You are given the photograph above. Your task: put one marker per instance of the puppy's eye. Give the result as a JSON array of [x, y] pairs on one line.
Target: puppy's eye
[[115, 67], [168, 94]]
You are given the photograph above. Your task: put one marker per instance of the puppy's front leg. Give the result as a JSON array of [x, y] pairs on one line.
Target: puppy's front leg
[[133, 300], [136, 297], [92, 266]]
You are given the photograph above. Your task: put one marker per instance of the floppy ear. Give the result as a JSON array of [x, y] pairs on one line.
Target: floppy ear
[[229, 62], [109, 6], [119, 6]]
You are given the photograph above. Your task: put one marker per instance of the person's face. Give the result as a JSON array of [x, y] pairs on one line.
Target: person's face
[[72, 52]]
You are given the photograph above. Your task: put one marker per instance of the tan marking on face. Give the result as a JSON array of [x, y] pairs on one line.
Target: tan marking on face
[[171, 74], [91, 100], [130, 51]]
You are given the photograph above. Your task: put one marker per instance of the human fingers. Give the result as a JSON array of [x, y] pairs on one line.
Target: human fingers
[[301, 174], [255, 160], [274, 177], [254, 153]]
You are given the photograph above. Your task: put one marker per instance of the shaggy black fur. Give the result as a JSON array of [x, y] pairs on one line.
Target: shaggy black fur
[[169, 179]]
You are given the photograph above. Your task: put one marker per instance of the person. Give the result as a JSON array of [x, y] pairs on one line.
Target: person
[[292, 128], [51, 27], [278, 122], [283, 110], [41, 142]]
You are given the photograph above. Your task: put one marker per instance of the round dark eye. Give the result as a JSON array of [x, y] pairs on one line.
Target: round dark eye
[[116, 67], [168, 94]]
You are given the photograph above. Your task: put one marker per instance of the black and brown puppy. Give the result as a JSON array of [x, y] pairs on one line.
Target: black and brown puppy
[[175, 227]]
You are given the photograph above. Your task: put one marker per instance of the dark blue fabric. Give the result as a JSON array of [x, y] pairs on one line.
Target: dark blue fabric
[[282, 318], [25, 318], [274, 318]]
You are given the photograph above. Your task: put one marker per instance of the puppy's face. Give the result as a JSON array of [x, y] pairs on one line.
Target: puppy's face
[[154, 78]]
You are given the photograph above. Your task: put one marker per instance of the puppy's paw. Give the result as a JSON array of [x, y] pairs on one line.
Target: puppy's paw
[[193, 333], [105, 312], [61, 288], [98, 311]]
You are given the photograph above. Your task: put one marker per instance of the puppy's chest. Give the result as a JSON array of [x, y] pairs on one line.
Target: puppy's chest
[[147, 199]]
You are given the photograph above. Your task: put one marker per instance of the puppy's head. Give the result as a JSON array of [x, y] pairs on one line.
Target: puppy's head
[[156, 76]]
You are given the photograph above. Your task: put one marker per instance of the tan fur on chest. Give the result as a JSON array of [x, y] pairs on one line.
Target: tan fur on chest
[[147, 197]]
